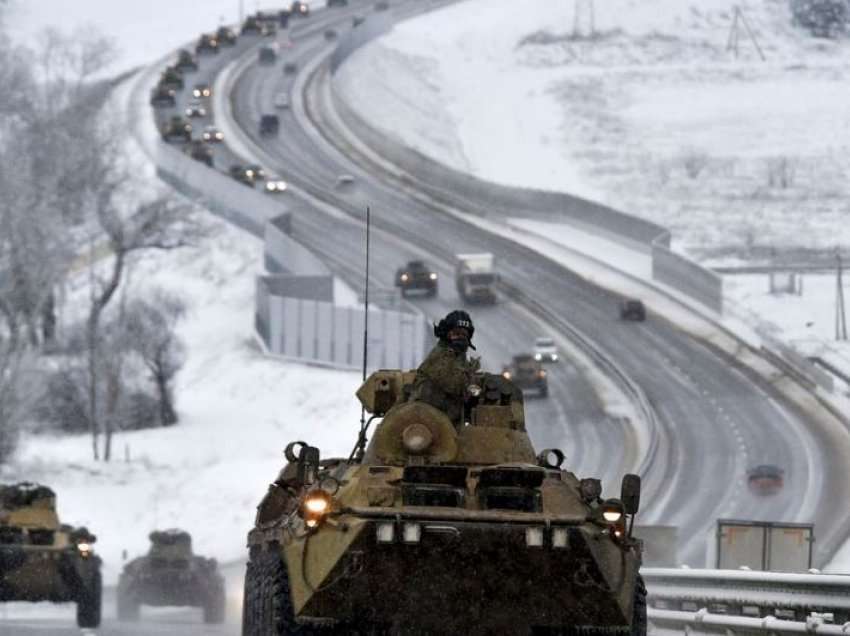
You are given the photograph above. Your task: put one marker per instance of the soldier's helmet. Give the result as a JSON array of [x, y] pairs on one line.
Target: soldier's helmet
[[453, 320]]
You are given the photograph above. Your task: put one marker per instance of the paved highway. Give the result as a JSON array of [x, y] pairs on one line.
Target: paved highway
[[717, 419]]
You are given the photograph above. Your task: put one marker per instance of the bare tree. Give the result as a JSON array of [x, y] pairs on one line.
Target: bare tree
[[151, 330], [154, 225]]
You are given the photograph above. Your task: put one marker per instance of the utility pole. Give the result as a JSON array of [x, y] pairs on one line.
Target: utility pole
[[241, 11], [584, 18], [739, 21], [840, 313]]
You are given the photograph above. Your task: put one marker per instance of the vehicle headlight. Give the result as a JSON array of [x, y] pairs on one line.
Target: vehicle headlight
[[219, 136], [432, 276], [538, 356], [554, 357], [506, 375], [612, 510], [404, 278], [249, 173], [315, 507], [85, 549], [270, 186], [196, 93]]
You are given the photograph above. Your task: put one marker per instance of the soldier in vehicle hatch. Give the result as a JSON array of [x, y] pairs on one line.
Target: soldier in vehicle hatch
[[442, 379]]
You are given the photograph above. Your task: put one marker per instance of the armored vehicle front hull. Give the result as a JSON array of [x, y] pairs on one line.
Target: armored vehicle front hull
[[469, 576]]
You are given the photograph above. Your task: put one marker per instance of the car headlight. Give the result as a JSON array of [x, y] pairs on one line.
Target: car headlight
[[404, 278], [432, 276], [85, 549], [554, 357], [219, 136], [196, 93], [506, 375], [270, 186], [249, 174], [538, 356]]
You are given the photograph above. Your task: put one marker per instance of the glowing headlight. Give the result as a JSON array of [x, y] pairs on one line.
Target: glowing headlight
[[433, 276], [85, 549], [506, 375], [554, 357], [196, 93], [538, 356], [219, 135], [249, 174], [612, 511], [315, 506], [404, 278]]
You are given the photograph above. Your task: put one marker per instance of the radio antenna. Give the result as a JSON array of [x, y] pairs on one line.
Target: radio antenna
[[366, 299], [360, 448]]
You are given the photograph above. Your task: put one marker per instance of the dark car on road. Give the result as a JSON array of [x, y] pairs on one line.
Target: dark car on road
[[301, 9], [162, 96], [251, 26], [269, 125], [177, 129], [186, 61], [247, 175], [206, 44], [267, 55], [172, 78], [527, 374], [201, 90], [170, 574], [632, 309], [416, 275], [199, 151], [225, 36], [766, 479]]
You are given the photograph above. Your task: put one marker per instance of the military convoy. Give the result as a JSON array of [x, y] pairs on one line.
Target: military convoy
[[528, 374], [416, 276], [44, 560], [433, 529], [177, 128], [171, 574]]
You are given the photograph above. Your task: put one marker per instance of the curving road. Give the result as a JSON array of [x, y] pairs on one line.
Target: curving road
[[717, 419]]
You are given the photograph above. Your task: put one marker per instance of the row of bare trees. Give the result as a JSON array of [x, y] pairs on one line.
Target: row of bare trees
[[69, 207]]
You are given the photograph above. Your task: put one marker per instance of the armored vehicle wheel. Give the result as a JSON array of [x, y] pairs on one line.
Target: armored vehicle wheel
[[214, 608], [639, 611], [128, 608], [89, 603], [268, 603]]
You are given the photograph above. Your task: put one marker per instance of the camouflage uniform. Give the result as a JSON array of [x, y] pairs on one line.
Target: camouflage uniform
[[442, 379]]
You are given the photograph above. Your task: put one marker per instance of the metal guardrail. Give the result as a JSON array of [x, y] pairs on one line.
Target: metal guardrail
[[703, 622], [753, 594]]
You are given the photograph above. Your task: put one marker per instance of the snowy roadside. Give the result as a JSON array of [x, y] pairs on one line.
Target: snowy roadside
[[238, 409]]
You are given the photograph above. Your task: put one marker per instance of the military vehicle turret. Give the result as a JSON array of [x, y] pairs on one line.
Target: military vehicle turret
[[43, 560], [171, 574], [226, 36], [186, 61], [206, 44], [433, 529], [172, 78]]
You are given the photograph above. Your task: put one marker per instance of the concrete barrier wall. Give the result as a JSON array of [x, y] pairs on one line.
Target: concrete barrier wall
[[316, 331], [687, 277]]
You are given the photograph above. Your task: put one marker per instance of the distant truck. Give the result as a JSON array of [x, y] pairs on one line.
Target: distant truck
[[476, 278], [764, 545]]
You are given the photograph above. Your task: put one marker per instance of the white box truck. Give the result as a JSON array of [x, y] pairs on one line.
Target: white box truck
[[476, 277]]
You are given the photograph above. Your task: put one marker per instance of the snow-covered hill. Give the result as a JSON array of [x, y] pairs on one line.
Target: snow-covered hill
[[652, 114]]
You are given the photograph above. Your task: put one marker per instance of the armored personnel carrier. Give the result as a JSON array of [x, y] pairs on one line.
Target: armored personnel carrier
[[170, 574], [527, 374], [43, 560], [433, 529]]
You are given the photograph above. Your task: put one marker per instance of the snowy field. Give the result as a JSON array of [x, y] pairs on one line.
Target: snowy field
[[238, 410], [651, 115]]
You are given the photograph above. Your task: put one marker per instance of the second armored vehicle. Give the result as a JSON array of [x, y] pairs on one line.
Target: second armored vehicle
[[206, 44], [416, 275], [527, 374], [269, 125], [632, 309], [171, 574], [186, 61], [437, 529], [163, 96], [43, 560], [177, 128], [199, 151]]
